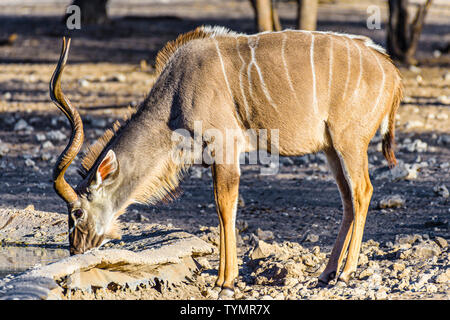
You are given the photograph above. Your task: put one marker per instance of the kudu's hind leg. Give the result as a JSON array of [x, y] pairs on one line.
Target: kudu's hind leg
[[345, 230], [226, 192], [362, 193], [350, 167]]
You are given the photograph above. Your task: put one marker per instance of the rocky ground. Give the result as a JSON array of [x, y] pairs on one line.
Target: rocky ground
[[287, 222]]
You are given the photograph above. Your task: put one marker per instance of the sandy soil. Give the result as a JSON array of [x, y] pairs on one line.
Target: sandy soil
[[106, 76]]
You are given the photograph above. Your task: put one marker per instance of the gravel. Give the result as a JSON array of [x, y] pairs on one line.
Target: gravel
[[414, 266]]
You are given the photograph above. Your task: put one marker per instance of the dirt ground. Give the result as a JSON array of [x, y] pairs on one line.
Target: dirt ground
[[110, 71]]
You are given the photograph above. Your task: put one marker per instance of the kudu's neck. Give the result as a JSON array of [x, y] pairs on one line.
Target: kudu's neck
[[144, 150]]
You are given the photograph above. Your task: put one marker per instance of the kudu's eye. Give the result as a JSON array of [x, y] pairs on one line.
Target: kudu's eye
[[77, 214]]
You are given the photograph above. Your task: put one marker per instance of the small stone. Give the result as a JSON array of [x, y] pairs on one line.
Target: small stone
[[118, 77], [204, 262], [417, 146], [381, 295], [264, 235], [7, 96], [84, 83], [20, 125], [363, 259], [56, 135], [413, 124], [414, 69], [426, 251], [443, 139], [443, 277], [366, 273], [442, 116], [441, 191], [309, 260], [441, 242], [410, 239], [423, 279], [437, 53], [3, 149], [40, 137], [394, 201], [431, 288], [443, 99], [241, 285], [213, 294], [30, 163], [404, 275], [446, 76], [47, 145], [196, 172], [413, 169], [261, 251], [375, 279], [398, 267], [399, 172], [312, 238]]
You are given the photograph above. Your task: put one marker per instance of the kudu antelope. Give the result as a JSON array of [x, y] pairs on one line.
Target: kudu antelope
[[320, 90]]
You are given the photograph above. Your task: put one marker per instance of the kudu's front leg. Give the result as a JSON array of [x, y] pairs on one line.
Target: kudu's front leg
[[226, 191]]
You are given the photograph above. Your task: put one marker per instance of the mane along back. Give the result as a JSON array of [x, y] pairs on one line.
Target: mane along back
[[202, 32]]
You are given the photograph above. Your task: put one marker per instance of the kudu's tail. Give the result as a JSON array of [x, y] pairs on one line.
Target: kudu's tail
[[387, 129]]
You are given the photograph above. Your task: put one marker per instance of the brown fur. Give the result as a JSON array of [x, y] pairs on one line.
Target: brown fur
[[322, 91], [164, 55], [388, 142], [160, 188], [93, 152]]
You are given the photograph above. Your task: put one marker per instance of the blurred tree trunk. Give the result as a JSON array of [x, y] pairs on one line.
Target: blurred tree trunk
[[403, 35], [307, 14], [266, 15], [92, 11], [267, 18]]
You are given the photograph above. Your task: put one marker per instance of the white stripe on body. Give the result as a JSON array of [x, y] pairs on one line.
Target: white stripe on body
[[286, 70], [253, 44], [330, 69], [377, 101], [311, 54], [358, 82], [347, 78], [226, 81], [241, 85]]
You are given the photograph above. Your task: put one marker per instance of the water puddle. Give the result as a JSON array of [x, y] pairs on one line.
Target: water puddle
[[17, 259]]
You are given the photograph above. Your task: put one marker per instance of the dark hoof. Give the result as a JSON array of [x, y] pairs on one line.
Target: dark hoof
[[321, 284], [325, 279]]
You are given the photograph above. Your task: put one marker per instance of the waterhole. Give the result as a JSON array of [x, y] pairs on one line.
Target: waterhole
[[17, 259]]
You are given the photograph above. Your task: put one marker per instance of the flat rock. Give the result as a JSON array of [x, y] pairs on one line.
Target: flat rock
[[146, 253]]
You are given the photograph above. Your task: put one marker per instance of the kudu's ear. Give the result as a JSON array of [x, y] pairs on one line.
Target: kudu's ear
[[106, 171]]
